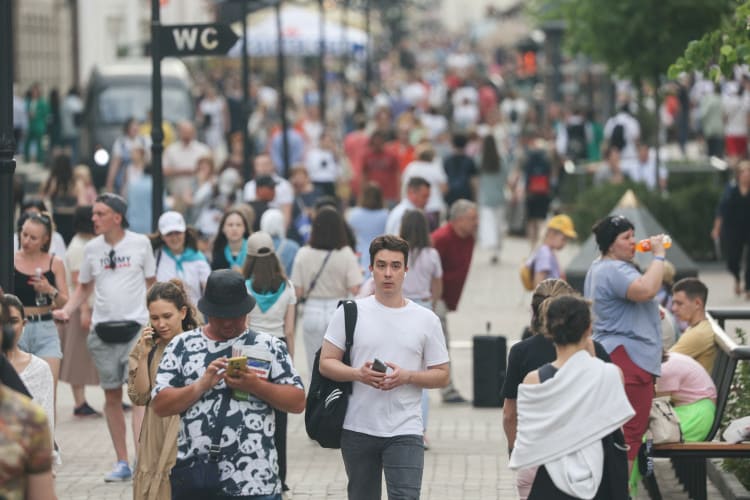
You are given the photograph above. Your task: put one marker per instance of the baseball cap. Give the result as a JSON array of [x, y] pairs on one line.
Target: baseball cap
[[259, 243], [118, 204], [171, 222], [564, 224], [265, 181]]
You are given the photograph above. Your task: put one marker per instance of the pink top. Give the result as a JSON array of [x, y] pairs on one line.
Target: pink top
[[685, 380]]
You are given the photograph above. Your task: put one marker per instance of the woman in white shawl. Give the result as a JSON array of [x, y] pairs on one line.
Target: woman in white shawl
[[570, 412]]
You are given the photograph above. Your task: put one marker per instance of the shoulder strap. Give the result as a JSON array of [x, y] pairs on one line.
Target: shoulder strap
[[51, 260], [317, 275], [350, 323], [214, 451]]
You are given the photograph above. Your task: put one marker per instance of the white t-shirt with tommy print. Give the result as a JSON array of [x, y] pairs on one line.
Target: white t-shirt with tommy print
[[119, 293]]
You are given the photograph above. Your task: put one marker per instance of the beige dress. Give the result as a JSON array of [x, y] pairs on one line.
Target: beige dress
[[157, 450]]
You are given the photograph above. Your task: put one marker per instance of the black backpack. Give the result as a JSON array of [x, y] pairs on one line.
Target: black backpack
[[617, 139], [576, 142], [327, 399]]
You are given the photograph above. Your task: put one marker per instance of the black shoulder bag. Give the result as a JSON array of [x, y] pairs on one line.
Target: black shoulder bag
[[198, 477], [314, 281], [327, 399]]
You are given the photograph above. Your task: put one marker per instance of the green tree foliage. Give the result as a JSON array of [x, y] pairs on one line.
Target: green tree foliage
[[719, 50], [637, 39]]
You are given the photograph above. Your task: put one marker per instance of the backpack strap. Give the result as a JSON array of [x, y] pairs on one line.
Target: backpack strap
[[350, 323]]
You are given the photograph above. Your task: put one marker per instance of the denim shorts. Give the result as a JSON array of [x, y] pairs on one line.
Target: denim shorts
[[111, 360], [41, 339]]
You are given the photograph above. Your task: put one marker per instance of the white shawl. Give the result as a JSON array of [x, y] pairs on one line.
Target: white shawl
[[562, 421]]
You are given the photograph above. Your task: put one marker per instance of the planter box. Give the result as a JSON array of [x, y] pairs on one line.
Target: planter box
[[726, 483]]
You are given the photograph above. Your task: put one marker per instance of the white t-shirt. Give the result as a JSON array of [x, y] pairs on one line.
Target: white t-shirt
[[185, 158], [409, 337], [736, 108], [424, 265], [194, 274], [322, 166], [434, 173], [37, 377], [393, 223], [632, 131], [284, 193], [272, 321], [120, 293]]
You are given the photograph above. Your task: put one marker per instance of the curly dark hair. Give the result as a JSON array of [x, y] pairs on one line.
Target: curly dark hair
[[173, 291]]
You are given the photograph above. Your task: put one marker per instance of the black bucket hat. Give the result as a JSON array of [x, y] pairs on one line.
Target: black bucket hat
[[608, 229], [226, 295]]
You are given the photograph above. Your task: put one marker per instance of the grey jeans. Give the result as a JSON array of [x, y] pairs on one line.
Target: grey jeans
[[367, 457]]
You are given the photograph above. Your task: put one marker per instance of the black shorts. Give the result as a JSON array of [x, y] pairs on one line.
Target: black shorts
[[537, 206]]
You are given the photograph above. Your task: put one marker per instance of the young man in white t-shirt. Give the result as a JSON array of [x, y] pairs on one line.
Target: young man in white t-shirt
[[383, 424], [118, 267]]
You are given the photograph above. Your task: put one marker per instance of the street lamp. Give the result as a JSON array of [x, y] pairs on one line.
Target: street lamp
[[7, 146]]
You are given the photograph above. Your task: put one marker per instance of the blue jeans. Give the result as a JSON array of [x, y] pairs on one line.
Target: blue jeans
[[367, 457]]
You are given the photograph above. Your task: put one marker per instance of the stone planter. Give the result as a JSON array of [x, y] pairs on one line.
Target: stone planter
[[726, 483]]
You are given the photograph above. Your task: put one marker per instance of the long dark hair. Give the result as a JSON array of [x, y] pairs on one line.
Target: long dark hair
[[415, 229], [490, 156], [265, 271], [60, 180], [173, 291], [221, 240], [328, 231]]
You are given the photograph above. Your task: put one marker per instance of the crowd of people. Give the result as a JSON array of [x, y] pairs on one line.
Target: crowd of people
[[411, 180]]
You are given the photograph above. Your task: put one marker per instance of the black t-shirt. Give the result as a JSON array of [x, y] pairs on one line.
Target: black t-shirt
[[529, 355], [459, 169]]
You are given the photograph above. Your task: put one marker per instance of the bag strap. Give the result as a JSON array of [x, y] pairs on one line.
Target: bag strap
[[317, 275], [214, 451], [350, 323]]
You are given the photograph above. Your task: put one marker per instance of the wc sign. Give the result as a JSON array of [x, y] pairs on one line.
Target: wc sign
[[196, 39]]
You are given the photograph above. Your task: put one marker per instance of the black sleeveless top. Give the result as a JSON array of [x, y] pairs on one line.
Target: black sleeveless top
[[25, 292]]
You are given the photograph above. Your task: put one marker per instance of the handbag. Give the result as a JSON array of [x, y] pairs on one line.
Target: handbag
[[663, 423], [327, 400], [117, 332], [199, 477]]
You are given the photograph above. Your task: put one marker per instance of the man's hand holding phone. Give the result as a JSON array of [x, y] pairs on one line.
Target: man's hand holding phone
[[396, 378], [238, 376], [372, 373]]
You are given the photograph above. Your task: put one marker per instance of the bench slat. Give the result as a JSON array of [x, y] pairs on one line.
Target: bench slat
[[702, 446]]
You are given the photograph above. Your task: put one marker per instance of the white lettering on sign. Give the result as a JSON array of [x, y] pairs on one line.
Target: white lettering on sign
[[209, 38], [185, 38]]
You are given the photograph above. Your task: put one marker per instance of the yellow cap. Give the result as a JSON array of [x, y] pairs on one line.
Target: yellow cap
[[564, 224]]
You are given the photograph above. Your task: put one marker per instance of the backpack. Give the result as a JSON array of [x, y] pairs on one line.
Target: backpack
[[617, 139], [538, 170], [526, 273], [576, 149], [327, 400]]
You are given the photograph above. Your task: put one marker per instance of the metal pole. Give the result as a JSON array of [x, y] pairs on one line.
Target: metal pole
[[7, 146], [344, 60], [322, 61], [246, 168], [368, 52], [282, 90], [157, 135]]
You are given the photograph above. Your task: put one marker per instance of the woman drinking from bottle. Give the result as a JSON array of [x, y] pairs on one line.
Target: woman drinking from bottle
[[626, 316]]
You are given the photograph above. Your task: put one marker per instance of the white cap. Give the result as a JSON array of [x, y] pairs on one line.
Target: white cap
[[171, 222]]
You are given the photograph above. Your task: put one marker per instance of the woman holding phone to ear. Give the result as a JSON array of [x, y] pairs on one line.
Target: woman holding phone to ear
[[170, 314]]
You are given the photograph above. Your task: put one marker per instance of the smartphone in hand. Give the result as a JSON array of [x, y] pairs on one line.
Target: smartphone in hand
[[236, 365], [379, 366]]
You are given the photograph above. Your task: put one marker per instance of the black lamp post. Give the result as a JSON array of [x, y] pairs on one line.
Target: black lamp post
[[322, 61], [157, 135], [246, 168], [282, 88], [7, 146]]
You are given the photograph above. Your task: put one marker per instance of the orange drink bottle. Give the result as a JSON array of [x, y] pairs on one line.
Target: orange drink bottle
[[645, 245]]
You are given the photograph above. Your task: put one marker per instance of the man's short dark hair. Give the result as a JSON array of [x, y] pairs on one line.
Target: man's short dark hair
[[389, 242], [693, 288], [416, 183], [459, 140]]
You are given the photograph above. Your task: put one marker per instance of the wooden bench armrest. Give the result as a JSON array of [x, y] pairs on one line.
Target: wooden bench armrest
[[703, 446]]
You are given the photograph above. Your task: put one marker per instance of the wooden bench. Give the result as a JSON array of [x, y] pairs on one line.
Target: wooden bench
[[689, 459]]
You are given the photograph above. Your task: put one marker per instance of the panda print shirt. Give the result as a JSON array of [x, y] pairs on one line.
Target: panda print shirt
[[248, 462]]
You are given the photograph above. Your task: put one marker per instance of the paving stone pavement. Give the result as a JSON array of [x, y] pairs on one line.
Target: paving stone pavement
[[467, 456]]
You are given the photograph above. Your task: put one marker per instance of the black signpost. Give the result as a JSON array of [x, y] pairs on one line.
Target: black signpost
[[179, 41], [7, 147]]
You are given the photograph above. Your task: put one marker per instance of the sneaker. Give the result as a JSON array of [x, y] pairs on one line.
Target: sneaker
[[453, 397], [85, 411], [120, 473]]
